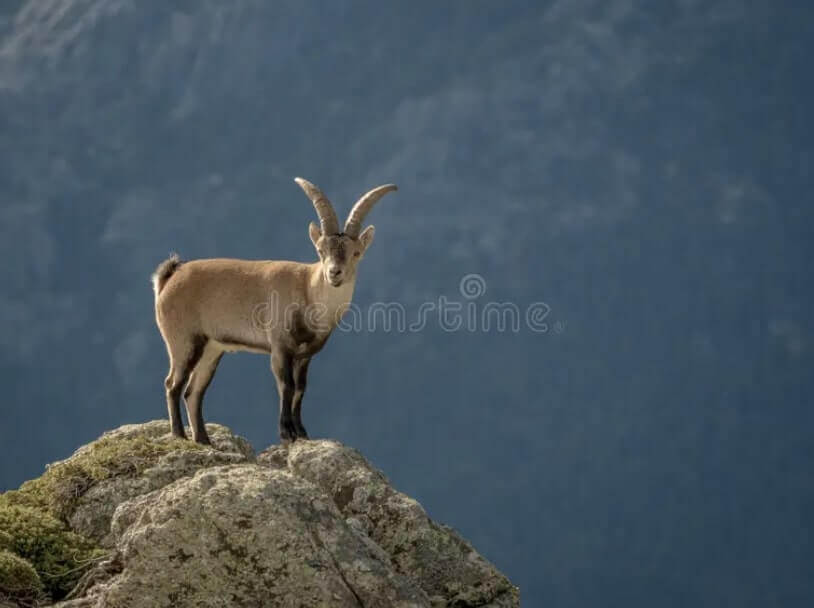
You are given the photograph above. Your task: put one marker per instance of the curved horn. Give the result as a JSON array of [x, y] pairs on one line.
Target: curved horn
[[353, 225], [327, 216]]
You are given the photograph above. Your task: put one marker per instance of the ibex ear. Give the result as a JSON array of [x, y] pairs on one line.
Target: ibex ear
[[366, 238], [314, 232]]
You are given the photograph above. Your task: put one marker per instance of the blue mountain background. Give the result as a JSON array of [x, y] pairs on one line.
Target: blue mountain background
[[643, 168]]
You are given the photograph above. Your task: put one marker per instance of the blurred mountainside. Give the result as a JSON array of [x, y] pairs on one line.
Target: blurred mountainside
[[642, 168]]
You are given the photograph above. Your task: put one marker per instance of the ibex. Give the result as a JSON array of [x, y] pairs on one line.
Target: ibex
[[207, 307]]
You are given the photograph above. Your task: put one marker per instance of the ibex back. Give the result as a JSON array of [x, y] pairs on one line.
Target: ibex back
[[286, 309]]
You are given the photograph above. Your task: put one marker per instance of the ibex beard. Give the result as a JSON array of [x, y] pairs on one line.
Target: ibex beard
[[205, 308]]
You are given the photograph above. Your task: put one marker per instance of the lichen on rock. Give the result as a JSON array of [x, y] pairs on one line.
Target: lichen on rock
[[85, 489], [438, 559], [246, 535], [59, 522], [151, 521]]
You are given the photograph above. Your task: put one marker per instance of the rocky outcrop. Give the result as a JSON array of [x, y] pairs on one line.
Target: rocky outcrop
[[444, 565], [309, 524], [94, 509]]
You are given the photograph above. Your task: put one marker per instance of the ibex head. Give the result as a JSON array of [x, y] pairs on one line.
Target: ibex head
[[340, 252]]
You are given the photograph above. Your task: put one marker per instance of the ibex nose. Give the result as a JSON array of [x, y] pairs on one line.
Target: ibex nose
[[334, 272]]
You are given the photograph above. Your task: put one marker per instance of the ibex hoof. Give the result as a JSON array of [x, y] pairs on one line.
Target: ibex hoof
[[288, 433]]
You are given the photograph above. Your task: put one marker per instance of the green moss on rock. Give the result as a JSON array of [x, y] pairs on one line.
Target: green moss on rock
[[6, 541], [63, 483], [58, 555], [19, 581], [33, 519]]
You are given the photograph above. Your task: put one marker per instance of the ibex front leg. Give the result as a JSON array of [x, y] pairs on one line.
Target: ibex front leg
[[300, 380], [283, 368]]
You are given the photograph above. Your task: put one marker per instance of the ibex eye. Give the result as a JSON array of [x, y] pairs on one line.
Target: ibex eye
[[356, 254]]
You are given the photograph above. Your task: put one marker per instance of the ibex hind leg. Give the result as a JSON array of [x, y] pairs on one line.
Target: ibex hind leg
[[194, 393], [184, 355]]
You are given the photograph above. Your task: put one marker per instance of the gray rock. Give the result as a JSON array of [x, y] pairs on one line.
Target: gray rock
[[246, 535], [94, 510], [221, 437], [441, 562], [310, 524]]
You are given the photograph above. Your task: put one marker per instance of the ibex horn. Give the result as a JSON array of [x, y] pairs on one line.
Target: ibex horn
[[353, 225], [327, 216]]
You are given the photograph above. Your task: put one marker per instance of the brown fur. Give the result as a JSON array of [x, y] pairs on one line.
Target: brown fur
[[164, 271], [222, 305]]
